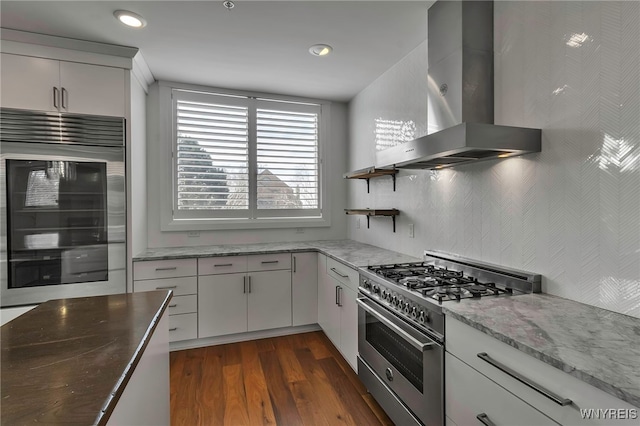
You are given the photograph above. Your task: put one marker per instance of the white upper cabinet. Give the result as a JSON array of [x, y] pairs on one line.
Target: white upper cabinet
[[58, 86]]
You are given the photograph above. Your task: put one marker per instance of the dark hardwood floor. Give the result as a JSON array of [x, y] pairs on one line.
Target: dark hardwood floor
[[292, 380]]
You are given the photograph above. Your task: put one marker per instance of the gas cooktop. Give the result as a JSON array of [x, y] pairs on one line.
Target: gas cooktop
[[438, 283]]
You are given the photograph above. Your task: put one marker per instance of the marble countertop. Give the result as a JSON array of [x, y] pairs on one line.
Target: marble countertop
[[349, 252], [67, 361], [597, 346]]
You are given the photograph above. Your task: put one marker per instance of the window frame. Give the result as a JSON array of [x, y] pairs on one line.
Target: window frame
[[269, 218]]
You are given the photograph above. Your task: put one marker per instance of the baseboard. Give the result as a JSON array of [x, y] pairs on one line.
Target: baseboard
[[241, 337]]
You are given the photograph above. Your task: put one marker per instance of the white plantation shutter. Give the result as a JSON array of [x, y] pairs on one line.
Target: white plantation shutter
[[287, 157], [239, 157]]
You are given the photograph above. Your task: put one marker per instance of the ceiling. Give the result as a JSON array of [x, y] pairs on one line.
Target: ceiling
[[256, 46]]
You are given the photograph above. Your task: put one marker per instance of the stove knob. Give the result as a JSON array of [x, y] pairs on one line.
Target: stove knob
[[366, 284], [414, 312], [384, 294], [394, 300], [406, 308], [376, 289], [421, 317]]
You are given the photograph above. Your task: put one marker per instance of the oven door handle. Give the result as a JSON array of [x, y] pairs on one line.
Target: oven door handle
[[362, 302]]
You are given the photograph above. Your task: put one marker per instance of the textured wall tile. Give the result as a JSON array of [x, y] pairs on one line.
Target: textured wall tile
[[571, 212]]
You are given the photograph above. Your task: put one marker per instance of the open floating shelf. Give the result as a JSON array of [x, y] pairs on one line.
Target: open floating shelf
[[375, 212], [372, 172]]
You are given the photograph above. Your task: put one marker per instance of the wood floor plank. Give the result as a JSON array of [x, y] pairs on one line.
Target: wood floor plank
[[235, 407], [347, 392], [311, 412], [231, 354], [284, 407], [327, 396], [265, 345], [344, 365], [317, 346], [258, 401], [212, 391], [290, 365]]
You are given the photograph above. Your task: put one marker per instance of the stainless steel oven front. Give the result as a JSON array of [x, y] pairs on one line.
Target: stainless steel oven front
[[62, 202], [400, 365]]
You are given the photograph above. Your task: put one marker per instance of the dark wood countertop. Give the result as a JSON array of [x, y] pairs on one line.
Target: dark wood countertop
[[68, 360]]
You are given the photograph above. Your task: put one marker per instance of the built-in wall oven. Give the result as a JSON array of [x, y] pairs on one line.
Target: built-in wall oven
[[62, 199]]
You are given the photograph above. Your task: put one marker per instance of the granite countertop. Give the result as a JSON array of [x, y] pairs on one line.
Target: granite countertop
[[349, 252], [69, 360], [597, 346]]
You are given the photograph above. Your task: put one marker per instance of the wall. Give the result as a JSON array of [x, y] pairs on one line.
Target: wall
[[335, 165], [571, 212]]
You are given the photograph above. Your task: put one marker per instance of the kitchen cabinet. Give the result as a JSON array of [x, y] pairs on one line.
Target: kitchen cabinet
[[179, 276], [258, 298], [551, 392], [60, 86], [337, 307], [304, 288]]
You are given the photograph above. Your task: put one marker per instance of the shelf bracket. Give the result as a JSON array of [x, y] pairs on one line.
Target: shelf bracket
[[367, 185], [394, 223], [368, 217], [393, 176]]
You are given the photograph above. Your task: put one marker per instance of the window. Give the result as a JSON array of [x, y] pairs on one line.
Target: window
[[245, 158]]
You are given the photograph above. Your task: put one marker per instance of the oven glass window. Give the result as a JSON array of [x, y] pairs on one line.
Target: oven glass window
[[406, 359], [57, 222]]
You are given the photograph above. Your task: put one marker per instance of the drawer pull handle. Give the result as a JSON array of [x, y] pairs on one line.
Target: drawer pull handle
[[219, 265], [167, 287], [168, 268], [522, 379], [265, 262], [173, 329], [173, 306], [336, 271], [484, 419]]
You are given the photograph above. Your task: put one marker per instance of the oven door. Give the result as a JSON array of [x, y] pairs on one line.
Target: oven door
[[407, 361], [63, 221]]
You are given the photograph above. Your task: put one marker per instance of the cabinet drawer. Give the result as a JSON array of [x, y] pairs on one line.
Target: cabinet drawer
[[153, 269], [466, 342], [269, 262], [183, 327], [183, 304], [342, 273], [469, 394], [222, 265], [179, 286]]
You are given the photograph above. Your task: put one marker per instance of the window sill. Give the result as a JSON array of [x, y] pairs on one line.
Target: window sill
[[240, 224]]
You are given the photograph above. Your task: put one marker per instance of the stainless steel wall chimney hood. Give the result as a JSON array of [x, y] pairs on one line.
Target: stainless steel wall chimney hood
[[460, 95]]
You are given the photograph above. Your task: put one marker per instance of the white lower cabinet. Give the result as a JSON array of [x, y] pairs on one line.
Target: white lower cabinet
[[247, 301], [304, 288], [337, 308], [222, 304], [491, 369], [472, 399]]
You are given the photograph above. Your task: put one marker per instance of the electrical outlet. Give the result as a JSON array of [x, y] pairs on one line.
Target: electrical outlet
[[193, 234], [411, 234], [299, 230], [358, 223]]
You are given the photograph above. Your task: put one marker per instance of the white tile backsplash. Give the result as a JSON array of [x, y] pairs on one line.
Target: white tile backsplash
[[571, 212]]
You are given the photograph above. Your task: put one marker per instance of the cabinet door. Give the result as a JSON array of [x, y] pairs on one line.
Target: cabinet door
[[222, 305], [349, 326], [304, 288], [269, 300], [27, 82], [328, 309], [92, 89]]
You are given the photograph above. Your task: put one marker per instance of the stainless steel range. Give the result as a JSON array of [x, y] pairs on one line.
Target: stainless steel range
[[401, 327]]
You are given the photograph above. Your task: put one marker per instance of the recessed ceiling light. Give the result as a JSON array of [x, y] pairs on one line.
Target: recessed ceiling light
[[320, 49], [130, 19]]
